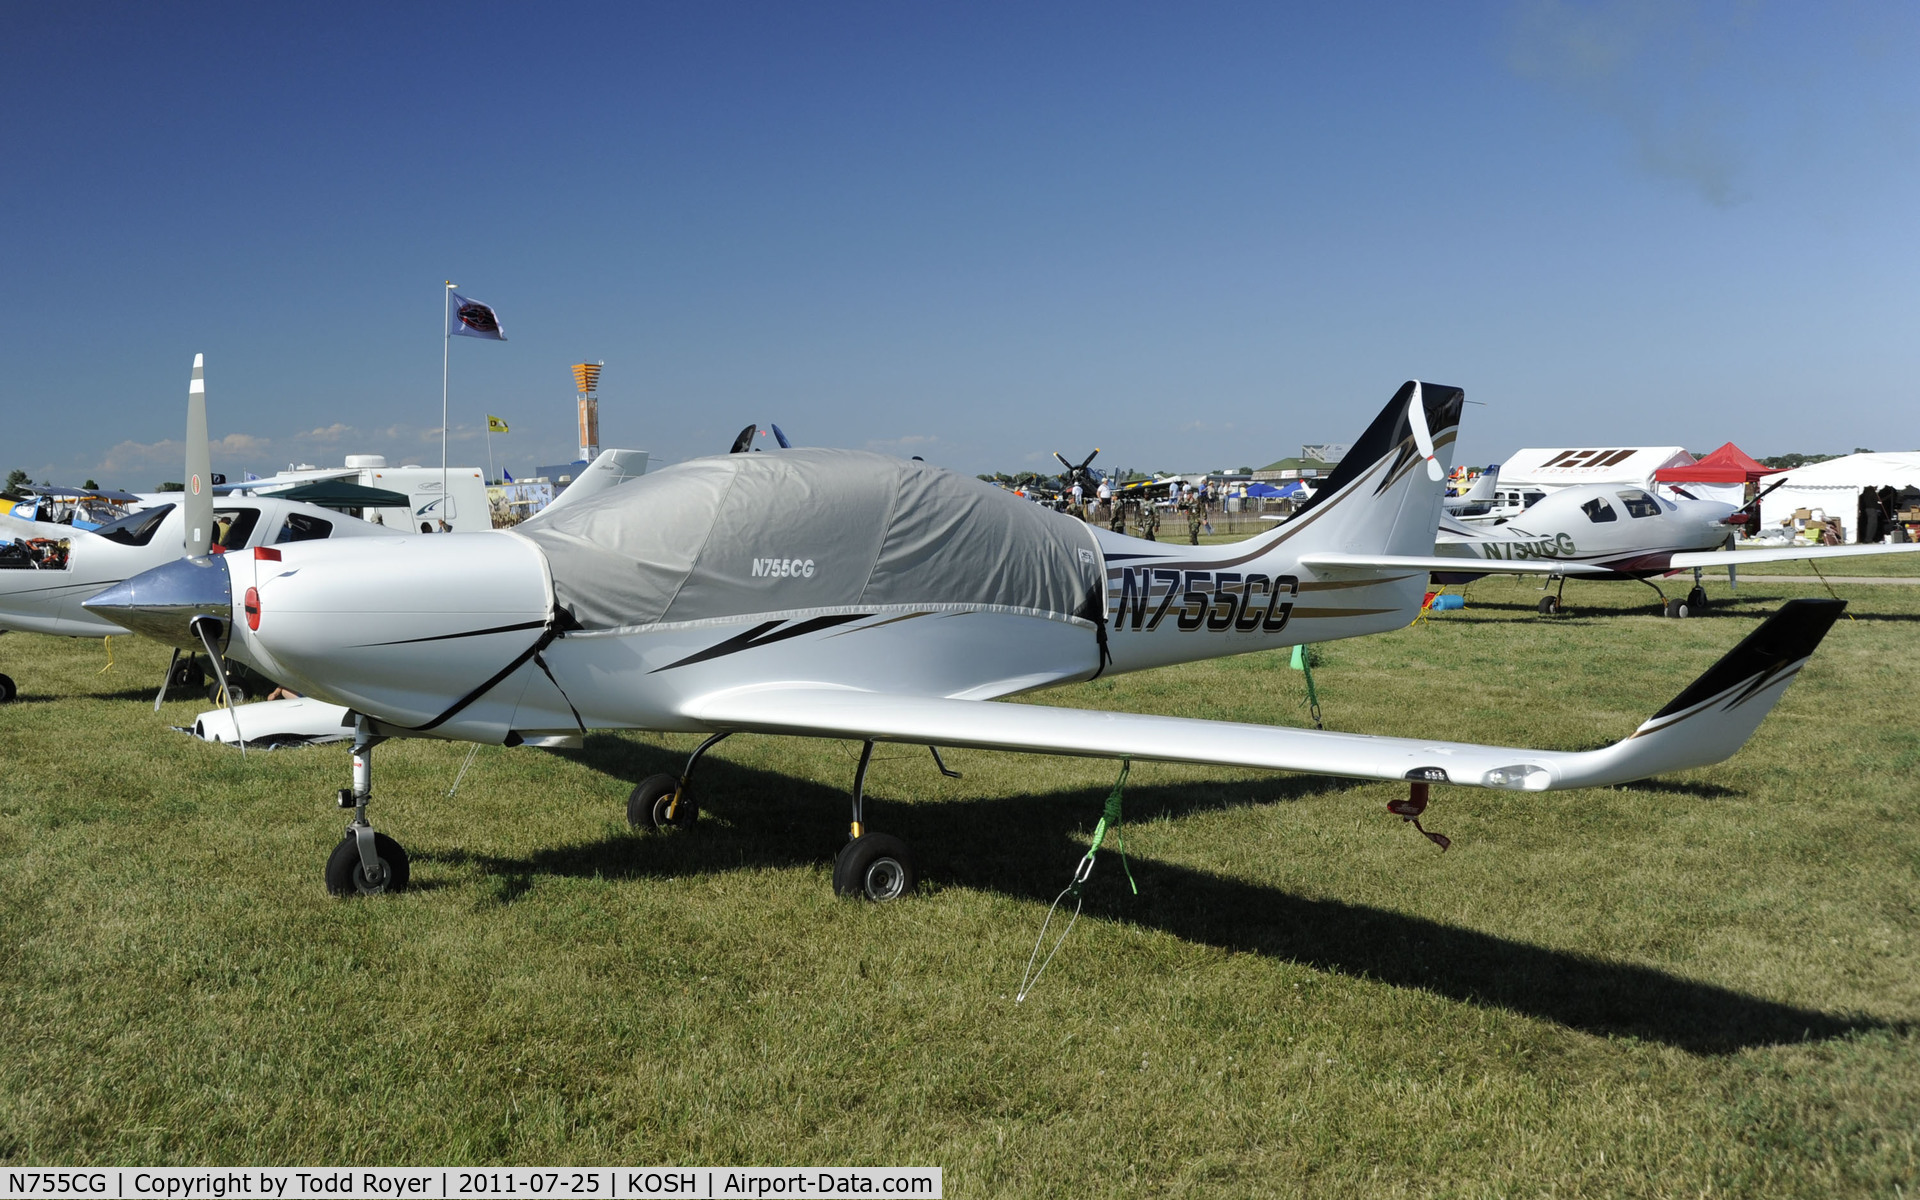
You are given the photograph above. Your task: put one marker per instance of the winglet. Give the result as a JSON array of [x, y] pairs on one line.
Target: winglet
[[1780, 645], [1716, 713], [198, 501]]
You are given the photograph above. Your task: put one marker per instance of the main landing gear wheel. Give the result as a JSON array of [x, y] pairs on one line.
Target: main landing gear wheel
[[1697, 599], [347, 876], [1549, 605], [652, 797], [189, 674], [878, 866], [7, 690], [213, 693], [1677, 608]]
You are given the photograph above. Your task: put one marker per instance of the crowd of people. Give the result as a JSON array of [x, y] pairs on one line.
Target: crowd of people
[[1139, 515]]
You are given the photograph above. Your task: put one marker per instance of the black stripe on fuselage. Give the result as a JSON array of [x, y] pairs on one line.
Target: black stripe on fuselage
[[443, 637], [764, 634]]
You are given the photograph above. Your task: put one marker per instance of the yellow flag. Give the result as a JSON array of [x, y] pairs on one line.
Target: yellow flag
[[495, 424]]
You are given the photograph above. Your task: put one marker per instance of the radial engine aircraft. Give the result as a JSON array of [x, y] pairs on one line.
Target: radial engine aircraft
[[1605, 531], [849, 595], [43, 582]]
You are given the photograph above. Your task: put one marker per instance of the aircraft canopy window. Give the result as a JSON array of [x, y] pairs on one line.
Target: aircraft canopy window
[[233, 526], [1599, 511], [136, 529], [302, 528], [1533, 498], [1639, 504]]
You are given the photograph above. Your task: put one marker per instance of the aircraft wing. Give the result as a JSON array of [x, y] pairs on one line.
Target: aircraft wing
[[1449, 562], [1706, 723], [1740, 558]]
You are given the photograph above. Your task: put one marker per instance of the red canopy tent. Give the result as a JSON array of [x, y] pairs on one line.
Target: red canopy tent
[[1728, 464]]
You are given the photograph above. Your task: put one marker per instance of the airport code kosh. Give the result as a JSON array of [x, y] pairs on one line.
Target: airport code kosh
[[621, 1183]]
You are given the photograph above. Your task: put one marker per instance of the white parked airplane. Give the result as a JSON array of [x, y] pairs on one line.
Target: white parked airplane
[[841, 594], [1606, 531], [43, 586]]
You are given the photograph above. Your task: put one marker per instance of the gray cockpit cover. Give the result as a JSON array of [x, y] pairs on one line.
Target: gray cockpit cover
[[740, 534]]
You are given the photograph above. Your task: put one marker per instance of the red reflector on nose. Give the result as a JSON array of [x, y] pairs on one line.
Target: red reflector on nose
[[251, 605], [266, 552]]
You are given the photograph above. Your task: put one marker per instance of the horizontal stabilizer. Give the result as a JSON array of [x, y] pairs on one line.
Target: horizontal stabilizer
[[1705, 724], [1446, 562]]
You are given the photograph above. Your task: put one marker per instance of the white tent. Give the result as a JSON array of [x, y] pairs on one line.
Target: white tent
[[1551, 469], [1835, 486]]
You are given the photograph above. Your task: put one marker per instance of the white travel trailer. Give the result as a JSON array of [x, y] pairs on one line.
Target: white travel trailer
[[464, 507]]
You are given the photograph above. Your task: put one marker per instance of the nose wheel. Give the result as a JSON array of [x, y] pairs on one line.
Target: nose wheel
[[7, 690], [365, 863], [347, 873]]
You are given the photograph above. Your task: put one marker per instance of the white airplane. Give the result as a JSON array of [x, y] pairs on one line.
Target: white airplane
[[848, 595], [43, 586], [1607, 531], [1477, 500]]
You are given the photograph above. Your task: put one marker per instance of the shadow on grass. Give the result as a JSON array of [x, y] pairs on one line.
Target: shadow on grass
[[1026, 847], [1705, 791]]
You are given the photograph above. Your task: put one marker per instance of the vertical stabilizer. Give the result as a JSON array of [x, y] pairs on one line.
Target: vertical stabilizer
[[198, 505]]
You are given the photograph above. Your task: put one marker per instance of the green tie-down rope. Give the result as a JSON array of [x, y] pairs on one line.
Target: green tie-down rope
[[1109, 819], [1303, 662]]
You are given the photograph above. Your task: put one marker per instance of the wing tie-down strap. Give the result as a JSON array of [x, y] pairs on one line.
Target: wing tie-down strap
[[1109, 819]]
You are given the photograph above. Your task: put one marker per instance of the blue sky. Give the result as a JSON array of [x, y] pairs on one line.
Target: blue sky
[[1194, 235]]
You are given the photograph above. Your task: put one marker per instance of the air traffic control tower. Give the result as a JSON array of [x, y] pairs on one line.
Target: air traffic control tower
[[586, 377]]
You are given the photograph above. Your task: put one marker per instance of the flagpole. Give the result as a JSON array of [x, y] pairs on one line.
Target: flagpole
[[489, 451], [446, 343]]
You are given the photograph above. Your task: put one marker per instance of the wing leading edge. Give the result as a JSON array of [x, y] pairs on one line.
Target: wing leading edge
[[1706, 723]]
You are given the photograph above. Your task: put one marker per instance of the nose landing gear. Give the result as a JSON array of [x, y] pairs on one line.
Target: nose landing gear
[[365, 863]]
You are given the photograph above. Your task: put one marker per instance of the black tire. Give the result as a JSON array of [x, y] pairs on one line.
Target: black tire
[[877, 866], [7, 690], [189, 674], [1676, 608], [647, 805], [213, 693], [1697, 600], [1549, 605], [346, 877]]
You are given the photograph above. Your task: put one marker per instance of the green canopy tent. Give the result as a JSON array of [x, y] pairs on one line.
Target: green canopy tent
[[341, 495]]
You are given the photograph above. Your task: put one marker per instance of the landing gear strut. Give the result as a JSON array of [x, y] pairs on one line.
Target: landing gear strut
[[878, 866], [663, 801], [1551, 605], [365, 863]]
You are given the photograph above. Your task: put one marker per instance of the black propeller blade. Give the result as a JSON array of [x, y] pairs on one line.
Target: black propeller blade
[[1751, 509], [1079, 473]]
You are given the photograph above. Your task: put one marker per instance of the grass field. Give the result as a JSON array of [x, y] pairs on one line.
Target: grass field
[[1703, 985]]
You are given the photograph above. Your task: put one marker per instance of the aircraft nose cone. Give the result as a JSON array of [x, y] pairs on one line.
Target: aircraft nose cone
[[162, 603]]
